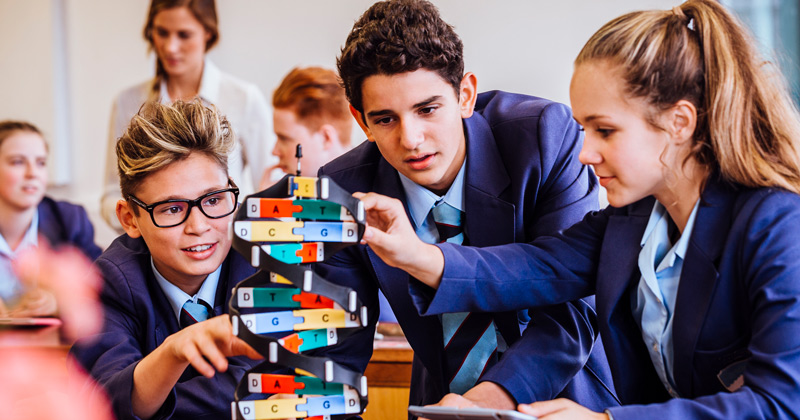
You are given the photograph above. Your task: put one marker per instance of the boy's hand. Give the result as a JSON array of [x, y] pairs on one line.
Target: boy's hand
[[207, 345], [390, 235]]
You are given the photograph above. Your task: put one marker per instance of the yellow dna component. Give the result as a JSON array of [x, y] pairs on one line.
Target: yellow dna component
[[272, 409], [268, 230], [320, 318], [277, 278], [306, 187]]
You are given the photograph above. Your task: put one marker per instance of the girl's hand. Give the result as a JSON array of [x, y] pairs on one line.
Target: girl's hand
[[561, 408]]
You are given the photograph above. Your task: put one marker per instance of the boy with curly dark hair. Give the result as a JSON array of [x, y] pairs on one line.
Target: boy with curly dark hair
[[478, 169]]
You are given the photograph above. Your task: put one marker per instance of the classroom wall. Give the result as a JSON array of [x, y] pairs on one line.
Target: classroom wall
[[518, 45]]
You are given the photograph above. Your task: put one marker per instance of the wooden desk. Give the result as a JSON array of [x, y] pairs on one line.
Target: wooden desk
[[388, 377]]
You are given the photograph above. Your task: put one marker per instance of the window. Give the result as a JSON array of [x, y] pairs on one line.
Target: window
[[776, 26]]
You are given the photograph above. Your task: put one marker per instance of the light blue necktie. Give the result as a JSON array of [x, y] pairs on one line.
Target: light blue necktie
[[192, 313], [470, 340]]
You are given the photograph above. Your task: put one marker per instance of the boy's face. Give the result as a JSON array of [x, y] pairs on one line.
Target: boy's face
[[187, 253], [291, 132], [415, 119]]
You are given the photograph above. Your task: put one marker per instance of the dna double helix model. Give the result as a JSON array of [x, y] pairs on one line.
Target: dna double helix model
[[285, 308]]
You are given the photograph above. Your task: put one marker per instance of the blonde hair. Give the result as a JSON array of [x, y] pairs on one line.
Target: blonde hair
[[160, 135], [747, 125], [316, 96]]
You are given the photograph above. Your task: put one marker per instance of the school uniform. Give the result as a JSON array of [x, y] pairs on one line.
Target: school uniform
[[522, 179], [60, 223], [735, 330], [138, 318], [64, 223]]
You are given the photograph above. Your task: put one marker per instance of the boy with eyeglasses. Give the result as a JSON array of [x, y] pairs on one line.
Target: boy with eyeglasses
[[167, 349]]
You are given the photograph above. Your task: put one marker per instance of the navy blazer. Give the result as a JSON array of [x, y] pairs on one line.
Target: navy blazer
[[138, 317], [64, 223], [523, 180], [737, 315]]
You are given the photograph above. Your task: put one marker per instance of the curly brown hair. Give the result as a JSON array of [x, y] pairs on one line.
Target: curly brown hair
[[399, 36]]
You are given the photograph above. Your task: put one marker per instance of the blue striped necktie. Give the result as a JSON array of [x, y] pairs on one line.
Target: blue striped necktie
[[470, 340], [192, 313]]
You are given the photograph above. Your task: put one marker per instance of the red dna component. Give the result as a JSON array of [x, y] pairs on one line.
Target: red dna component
[[271, 207], [292, 342], [279, 384], [312, 301], [308, 253]]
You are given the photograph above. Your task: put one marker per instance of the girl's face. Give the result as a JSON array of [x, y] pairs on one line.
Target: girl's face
[[626, 152], [23, 170], [179, 40]]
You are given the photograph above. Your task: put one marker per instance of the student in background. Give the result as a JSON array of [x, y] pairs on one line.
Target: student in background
[[28, 216], [310, 110], [508, 162], [167, 348], [695, 264], [181, 32]]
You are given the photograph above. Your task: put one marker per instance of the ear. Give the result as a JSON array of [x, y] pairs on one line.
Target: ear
[[330, 138], [467, 94], [681, 121], [127, 219], [360, 120]]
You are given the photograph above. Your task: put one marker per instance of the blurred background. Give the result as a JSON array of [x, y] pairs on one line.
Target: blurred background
[[62, 62]]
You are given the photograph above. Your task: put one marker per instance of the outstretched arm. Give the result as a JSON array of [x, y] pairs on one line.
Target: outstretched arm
[[205, 345], [390, 235]]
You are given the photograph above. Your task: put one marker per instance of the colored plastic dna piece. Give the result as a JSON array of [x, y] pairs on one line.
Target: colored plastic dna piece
[[308, 220]]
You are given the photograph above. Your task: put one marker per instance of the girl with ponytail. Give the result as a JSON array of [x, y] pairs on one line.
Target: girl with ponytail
[[695, 264]]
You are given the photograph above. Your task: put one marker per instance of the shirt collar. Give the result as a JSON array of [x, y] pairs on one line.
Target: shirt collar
[[178, 297], [29, 240], [209, 84], [660, 212], [420, 200]]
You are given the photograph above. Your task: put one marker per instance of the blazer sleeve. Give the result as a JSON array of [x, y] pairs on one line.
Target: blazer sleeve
[[111, 356], [769, 254], [131, 331], [552, 350], [547, 271]]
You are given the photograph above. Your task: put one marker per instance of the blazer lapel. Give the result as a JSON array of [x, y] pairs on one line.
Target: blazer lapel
[[49, 223], [617, 271], [489, 220], [699, 278]]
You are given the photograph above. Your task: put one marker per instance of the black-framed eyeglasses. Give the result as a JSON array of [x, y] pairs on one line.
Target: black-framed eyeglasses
[[170, 213]]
